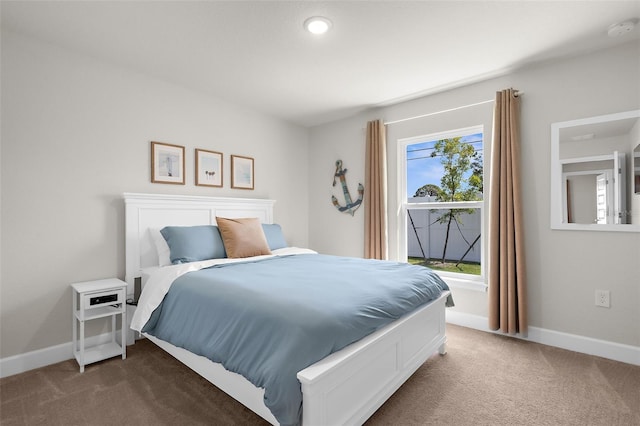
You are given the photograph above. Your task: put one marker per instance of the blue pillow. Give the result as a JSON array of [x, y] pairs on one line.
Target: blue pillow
[[193, 243], [275, 239]]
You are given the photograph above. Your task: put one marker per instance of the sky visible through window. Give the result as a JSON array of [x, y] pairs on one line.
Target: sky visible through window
[[423, 169]]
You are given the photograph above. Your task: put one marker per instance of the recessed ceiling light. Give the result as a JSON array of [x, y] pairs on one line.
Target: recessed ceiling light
[[317, 25], [621, 28]]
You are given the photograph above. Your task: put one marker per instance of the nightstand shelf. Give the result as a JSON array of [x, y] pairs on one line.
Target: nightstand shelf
[[100, 352], [93, 300], [99, 313]]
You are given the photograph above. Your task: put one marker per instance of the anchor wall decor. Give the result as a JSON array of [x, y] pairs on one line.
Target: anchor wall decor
[[351, 206]]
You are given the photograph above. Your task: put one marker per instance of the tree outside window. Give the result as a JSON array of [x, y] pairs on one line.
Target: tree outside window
[[453, 170]]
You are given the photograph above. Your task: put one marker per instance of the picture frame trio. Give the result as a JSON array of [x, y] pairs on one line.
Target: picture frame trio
[[168, 166]]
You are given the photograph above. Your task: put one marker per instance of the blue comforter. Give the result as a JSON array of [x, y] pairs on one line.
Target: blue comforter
[[267, 325]]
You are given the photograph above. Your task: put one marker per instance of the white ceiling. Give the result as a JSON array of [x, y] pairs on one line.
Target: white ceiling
[[257, 54]]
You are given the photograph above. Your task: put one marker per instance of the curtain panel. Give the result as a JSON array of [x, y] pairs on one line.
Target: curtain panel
[[507, 284], [375, 192]]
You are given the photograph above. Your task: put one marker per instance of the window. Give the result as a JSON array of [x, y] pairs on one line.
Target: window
[[442, 185]]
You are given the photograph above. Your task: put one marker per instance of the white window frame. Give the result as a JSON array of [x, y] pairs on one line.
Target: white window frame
[[459, 280]]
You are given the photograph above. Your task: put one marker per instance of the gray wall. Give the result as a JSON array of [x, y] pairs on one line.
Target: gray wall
[[76, 134], [564, 268]]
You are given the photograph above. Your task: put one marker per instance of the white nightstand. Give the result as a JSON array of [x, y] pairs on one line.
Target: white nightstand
[[98, 299]]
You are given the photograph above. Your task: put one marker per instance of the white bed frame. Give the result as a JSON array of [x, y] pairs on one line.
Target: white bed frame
[[344, 388]]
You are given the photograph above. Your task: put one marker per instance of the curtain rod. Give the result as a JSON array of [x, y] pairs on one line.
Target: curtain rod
[[518, 93]]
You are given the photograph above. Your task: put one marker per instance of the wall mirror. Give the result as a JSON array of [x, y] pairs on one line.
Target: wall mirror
[[595, 173]]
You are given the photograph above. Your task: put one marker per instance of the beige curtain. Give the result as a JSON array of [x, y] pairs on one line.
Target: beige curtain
[[375, 192], [507, 285]]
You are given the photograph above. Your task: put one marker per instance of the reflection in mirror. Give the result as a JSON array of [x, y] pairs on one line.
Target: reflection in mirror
[[636, 169], [594, 173]]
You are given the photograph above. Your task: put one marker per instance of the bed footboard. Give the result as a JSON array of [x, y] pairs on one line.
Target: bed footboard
[[347, 387]]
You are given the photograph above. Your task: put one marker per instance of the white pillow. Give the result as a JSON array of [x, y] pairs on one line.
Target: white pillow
[[164, 254]]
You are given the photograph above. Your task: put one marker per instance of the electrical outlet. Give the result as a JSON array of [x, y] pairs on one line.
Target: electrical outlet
[[603, 298]]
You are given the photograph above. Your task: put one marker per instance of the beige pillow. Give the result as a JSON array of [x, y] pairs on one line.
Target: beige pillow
[[243, 237]]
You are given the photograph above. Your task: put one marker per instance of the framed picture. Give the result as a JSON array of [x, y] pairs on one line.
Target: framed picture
[[241, 172], [208, 168], [167, 163]]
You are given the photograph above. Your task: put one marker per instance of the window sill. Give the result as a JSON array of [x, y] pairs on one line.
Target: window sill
[[464, 283]]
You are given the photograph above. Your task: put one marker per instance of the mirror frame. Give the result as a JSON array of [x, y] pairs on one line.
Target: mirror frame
[[556, 175]]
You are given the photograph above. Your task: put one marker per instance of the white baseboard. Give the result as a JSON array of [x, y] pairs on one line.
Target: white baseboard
[[42, 357], [586, 345]]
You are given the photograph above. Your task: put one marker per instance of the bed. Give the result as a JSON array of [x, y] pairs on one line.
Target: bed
[[345, 387]]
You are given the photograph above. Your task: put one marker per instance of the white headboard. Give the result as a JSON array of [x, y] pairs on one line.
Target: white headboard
[[145, 211]]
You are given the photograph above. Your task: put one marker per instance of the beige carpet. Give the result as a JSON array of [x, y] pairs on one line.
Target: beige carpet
[[483, 380]]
